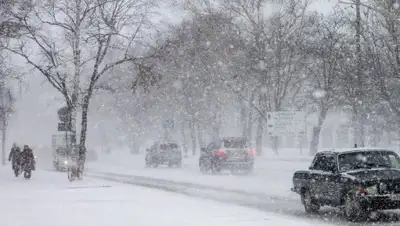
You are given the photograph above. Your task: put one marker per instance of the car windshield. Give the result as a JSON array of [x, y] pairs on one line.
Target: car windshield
[[168, 146], [368, 160], [235, 143]]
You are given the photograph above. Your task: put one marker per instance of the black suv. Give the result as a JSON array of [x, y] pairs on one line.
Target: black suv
[[166, 153], [358, 181], [232, 153]]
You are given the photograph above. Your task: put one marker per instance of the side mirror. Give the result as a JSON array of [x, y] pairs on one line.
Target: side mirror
[[203, 149]]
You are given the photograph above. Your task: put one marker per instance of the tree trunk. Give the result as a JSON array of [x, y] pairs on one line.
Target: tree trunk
[[77, 67], [216, 124], [249, 128], [184, 137], [82, 142], [359, 128], [259, 137], [317, 131], [134, 144], [260, 128], [243, 117], [200, 137], [193, 136], [3, 139]]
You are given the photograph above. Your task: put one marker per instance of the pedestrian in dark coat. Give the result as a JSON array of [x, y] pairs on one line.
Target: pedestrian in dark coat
[[15, 156], [28, 159]]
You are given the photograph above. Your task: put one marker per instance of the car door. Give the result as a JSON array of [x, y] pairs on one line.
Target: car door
[[332, 179], [319, 185], [208, 150], [316, 176]]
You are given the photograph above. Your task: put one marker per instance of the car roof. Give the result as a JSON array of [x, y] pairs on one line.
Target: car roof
[[353, 150]]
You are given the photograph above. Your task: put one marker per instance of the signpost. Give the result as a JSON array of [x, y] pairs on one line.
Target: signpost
[[64, 115], [281, 123]]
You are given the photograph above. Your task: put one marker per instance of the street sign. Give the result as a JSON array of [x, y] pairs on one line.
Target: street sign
[[281, 123], [64, 114], [169, 124]]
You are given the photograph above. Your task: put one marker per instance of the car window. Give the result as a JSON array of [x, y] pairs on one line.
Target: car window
[[235, 143], [325, 163], [168, 146], [210, 147], [368, 160], [394, 161]]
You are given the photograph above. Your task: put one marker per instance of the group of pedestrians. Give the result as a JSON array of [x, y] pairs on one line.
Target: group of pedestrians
[[20, 160]]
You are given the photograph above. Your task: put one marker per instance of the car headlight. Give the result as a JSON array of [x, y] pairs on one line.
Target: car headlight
[[372, 190], [66, 162]]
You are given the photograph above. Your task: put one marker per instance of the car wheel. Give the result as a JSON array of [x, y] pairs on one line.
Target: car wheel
[[179, 164], [170, 164], [310, 205], [352, 209], [215, 167]]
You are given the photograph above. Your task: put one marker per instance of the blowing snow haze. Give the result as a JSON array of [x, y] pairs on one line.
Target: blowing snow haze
[[222, 112], [36, 105]]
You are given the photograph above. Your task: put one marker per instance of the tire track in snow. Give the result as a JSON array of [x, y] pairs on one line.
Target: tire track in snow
[[255, 200], [198, 186]]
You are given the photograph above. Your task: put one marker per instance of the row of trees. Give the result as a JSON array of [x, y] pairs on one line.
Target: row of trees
[[233, 56], [230, 57]]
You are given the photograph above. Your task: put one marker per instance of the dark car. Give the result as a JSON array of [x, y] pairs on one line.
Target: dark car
[[164, 154], [232, 153], [358, 181]]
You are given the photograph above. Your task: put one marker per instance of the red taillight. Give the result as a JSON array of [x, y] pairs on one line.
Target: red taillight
[[220, 153], [362, 191], [251, 153]]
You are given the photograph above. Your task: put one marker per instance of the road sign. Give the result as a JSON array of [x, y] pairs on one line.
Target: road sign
[[285, 122], [64, 114], [169, 124], [64, 126]]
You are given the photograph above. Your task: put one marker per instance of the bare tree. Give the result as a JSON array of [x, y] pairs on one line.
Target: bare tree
[[383, 49], [273, 57], [77, 42], [6, 108], [327, 49]]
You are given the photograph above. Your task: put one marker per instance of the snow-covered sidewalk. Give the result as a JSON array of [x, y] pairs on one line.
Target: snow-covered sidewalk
[[49, 199]]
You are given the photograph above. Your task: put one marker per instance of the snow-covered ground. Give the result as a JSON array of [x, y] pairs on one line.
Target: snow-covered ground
[[272, 175], [49, 199]]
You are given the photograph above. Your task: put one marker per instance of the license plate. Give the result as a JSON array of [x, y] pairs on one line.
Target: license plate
[[395, 197]]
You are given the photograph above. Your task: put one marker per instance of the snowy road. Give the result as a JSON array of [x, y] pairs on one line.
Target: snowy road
[[49, 199], [268, 189], [289, 207]]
